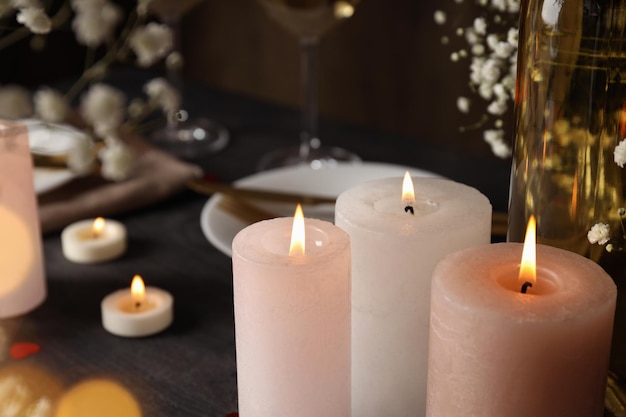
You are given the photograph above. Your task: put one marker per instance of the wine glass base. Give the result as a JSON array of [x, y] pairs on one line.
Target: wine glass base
[[316, 158], [192, 138]]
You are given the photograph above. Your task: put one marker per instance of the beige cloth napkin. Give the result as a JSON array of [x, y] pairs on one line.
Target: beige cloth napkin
[[156, 175]]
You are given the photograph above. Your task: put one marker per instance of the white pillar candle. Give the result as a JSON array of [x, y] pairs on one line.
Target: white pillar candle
[[22, 278], [496, 352], [292, 321], [138, 311], [93, 241], [393, 255]]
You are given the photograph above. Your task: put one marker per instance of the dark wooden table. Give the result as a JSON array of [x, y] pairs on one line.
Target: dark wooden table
[[189, 370]]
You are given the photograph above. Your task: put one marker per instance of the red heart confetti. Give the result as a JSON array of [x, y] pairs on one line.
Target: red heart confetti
[[23, 350]]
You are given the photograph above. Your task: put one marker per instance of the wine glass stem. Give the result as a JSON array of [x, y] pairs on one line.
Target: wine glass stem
[[308, 65]]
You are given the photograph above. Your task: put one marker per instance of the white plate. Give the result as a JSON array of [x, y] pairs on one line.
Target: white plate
[[220, 227], [53, 140]]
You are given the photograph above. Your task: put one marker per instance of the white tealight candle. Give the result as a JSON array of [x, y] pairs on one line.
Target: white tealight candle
[[92, 241], [397, 239], [292, 319], [137, 312]]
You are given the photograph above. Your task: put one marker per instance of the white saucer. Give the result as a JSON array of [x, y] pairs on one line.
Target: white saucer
[[53, 140], [220, 227]]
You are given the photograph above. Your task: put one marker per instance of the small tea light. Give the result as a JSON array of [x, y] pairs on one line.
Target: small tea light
[[137, 312], [93, 241]]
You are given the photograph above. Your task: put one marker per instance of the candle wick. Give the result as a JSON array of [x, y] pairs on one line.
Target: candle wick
[[525, 286], [137, 305], [408, 209]]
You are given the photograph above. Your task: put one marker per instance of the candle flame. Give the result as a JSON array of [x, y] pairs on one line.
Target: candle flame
[[297, 233], [528, 269], [343, 10], [408, 192], [98, 226], [137, 289]]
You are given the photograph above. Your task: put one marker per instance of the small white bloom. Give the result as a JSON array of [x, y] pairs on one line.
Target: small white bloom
[[599, 234], [495, 139], [499, 5], [485, 90], [102, 106], [490, 71], [82, 155], [478, 49], [512, 36], [95, 21], [161, 93], [440, 17], [35, 19], [492, 41], [50, 105], [619, 154], [15, 102], [117, 160], [151, 43], [174, 61], [463, 104], [480, 25], [513, 6], [504, 50], [497, 107]]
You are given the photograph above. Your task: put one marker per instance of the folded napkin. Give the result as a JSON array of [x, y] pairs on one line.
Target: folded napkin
[[156, 175]]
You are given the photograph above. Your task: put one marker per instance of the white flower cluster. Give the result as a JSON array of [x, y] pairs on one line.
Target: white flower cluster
[[493, 64], [18, 399], [599, 234], [97, 24]]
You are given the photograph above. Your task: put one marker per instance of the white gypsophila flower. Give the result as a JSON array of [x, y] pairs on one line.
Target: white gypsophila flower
[[161, 93], [151, 43], [463, 104], [117, 160], [440, 17], [497, 107], [619, 154], [490, 71], [35, 19], [15, 102], [82, 155], [495, 139], [599, 234], [50, 105], [95, 21], [480, 25], [102, 106]]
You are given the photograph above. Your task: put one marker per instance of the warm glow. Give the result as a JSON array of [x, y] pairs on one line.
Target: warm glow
[[528, 269], [297, 233], [98, 398], [343, 10], [137, 289], [98, 226], [408, 192]]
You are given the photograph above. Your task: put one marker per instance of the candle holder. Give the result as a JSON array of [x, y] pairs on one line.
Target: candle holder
[[568, 163], [22, 286]]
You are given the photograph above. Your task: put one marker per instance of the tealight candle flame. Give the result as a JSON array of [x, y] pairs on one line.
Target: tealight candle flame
[[98, 226], [137, 290], [408, 193], [297, 233], [343, 10], [528, 268]]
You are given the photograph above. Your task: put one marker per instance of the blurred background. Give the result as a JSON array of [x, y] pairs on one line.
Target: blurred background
[[385, 68]]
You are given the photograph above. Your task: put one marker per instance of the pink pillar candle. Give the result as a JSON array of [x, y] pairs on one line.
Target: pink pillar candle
[[496, 352], [292, 321], [393, 255]]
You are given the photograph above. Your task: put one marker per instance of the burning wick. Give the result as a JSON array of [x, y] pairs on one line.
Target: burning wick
[[408, 193], [137, 291], [528, 267], [98, 227], [525, 287]]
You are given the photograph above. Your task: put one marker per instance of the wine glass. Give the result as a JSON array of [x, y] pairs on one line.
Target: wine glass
[[308, 19], [184, 136]]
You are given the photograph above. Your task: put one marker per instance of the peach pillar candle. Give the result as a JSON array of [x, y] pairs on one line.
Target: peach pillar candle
[[497, 352], [22, 275], [292, 320], [396, 243]]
